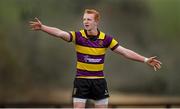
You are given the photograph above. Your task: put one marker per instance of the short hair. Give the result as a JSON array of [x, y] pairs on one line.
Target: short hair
[[93, 11]]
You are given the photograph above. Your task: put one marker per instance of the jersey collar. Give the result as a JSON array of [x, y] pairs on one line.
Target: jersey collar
[[101, 35]]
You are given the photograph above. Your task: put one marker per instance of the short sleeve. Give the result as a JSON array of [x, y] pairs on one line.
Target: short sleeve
[[114, 44], [73, 36]]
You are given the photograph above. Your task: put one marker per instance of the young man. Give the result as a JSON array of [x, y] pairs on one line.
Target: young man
[[91, 45]]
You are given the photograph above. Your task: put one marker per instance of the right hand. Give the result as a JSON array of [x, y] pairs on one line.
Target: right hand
[[35, 25]]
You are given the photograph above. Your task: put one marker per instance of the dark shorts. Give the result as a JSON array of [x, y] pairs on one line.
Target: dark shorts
[[95, 89]]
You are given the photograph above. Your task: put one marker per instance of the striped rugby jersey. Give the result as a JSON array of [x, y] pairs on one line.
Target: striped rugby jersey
[[91, 53]]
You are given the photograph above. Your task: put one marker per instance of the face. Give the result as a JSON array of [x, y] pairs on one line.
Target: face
[[89, 22]]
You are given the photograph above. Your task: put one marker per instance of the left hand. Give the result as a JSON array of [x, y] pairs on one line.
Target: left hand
[[153, 62]]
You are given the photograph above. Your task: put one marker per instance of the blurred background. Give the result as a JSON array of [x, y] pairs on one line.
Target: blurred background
[[37, 67]]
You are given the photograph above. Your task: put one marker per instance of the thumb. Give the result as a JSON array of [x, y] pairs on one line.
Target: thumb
[[153, 57], [37, 20]]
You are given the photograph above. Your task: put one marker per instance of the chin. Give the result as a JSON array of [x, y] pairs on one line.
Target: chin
[[87, 29]]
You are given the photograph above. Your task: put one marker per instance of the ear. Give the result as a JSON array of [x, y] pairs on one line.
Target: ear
[[97, 23]]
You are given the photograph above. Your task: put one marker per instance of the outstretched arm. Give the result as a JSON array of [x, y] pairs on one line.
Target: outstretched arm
[[152, 61], [37, 25]]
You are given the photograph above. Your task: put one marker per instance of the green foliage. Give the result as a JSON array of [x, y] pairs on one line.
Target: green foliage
[[166, 15]]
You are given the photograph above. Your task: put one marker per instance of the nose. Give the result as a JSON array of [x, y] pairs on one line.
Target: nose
[[85, 21]]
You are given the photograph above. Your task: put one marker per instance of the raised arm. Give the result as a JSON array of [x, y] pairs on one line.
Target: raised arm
[[37, 25], [152, 61]]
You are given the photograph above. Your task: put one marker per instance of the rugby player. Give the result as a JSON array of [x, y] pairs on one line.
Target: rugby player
[[91, 45]]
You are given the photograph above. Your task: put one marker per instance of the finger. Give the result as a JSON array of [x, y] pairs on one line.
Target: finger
[[159, 67], [37, 20], [153, 57], [34, 24], [159, 62], [156, 61], [155, 68], [31, 22], [32, 29]]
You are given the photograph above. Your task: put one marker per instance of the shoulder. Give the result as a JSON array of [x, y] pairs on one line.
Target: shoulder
[[76, 33], [108, 38], [110, 42]]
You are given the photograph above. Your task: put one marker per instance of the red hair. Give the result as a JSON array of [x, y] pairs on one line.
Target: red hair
[[93, 11]]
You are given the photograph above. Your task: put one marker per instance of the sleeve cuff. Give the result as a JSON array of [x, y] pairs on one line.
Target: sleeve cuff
[[115, 47], [71, 37]]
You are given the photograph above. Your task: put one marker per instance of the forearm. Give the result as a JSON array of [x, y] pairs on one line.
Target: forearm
[[130, 54], [56, 32], [134, 56]]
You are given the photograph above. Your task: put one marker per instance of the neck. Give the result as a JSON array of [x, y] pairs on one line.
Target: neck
[[93, 32]]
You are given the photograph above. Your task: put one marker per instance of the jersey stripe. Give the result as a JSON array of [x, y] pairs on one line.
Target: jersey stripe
[[96, 59], [73, 35], [102, 35], [113, 43], [90, 50], [87, 43], [90, 67], [90, 77], [115, 47], [83, 33], [89, 73]]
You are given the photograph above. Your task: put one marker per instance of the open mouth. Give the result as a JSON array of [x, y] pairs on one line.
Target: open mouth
[[86, 26]]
